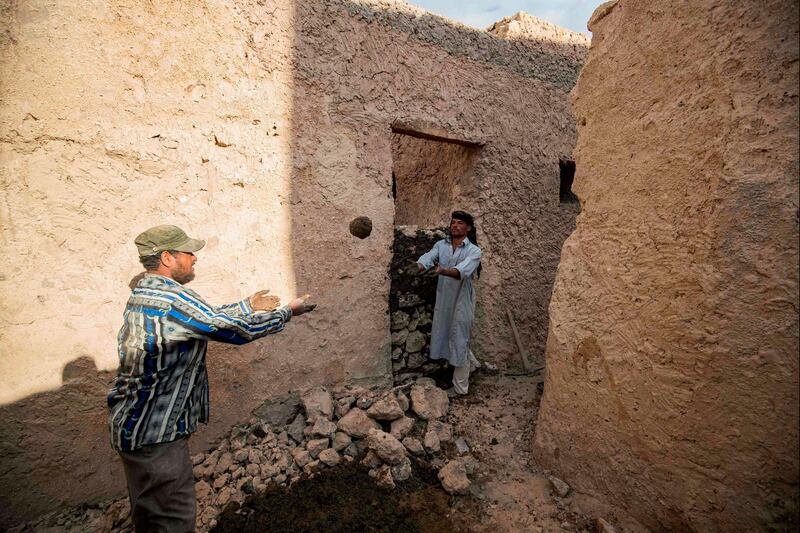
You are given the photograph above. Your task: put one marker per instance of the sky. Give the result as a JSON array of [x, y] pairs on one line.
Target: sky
[[570, 14]]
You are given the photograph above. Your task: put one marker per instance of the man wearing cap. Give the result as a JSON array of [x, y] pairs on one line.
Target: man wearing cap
[[458, 262], [161, 390]]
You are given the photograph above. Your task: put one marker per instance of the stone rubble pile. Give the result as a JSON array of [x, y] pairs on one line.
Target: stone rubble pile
[[383, 430], [301, 435], [411, 302]]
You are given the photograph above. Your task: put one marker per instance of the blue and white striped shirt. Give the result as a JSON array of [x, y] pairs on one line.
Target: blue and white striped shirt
[[161, 390]]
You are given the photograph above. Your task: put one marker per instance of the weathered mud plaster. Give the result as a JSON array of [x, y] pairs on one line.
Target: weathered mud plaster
[[264, 127], [672, 357]]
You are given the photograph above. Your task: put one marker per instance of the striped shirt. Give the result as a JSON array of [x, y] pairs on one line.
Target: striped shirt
[[161, 390]]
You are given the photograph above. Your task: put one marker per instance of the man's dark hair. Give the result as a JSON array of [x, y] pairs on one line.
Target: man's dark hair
[[472, 235], [151, 262]]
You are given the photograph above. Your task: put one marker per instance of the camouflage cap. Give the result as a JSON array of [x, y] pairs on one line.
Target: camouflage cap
[[160, 238]]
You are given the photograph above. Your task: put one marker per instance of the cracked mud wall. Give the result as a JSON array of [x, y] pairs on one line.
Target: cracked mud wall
[[264, 128], [672, 356]]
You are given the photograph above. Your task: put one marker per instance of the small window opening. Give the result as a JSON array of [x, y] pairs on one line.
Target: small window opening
[[567, 173]]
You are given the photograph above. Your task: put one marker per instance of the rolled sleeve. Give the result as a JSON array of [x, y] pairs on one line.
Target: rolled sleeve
[[428, 259], [470, 263]]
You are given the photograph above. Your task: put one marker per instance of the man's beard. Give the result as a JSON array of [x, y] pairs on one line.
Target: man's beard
[[182, 277]]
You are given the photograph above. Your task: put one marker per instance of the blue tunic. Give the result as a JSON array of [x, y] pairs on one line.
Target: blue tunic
[[455, 300]]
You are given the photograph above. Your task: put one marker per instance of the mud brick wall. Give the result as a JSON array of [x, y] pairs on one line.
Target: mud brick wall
[[265, 128], [672, 354]]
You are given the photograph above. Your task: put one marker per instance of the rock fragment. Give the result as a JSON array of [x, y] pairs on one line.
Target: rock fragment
[[401, 427], [323, 428], [330, 457], [343, 405], [296, 428], [316, 446], [561, 488], [383, 476], [429, 403], [442, 430], [415, 341], [461, 446], [301, 457], [341, 440], [602, 526], [402, 471], [385, 409], [454, 478], [402, 400], [414, 446], [317, 403], [371, 460], [224, 463], [278, 411], [400, 320], [357, 424], [431, 442], [388, 448]]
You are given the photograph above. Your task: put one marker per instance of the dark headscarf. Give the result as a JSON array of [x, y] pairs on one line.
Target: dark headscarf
[[472, 235]]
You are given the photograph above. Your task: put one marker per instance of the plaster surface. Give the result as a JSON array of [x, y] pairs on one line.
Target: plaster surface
[[672, 355], [264, 128]]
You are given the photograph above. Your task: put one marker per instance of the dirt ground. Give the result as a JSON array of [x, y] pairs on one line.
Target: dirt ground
[[497, 419], [509, 492]]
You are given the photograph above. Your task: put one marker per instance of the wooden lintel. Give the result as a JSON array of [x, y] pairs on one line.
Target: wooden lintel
[[431, 133]]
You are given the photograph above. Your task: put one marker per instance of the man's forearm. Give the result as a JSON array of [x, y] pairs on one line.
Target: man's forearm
[[450, 273]]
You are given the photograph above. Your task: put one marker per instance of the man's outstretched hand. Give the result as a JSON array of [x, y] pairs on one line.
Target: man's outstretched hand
[[301, 306], [263, 301]]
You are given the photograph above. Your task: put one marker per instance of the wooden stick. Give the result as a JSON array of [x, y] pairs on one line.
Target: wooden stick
[[522, 351]]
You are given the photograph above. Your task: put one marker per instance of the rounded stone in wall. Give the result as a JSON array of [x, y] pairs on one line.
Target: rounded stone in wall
[[361, 227]]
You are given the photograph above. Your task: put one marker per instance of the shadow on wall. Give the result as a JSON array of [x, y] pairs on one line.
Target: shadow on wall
[[73, 421]]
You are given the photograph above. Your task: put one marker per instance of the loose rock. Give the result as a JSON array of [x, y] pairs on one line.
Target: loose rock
[[279, 411], [371, 460], [302, 457], [330, 457], [343, 406], [402, 400], [432, 443], [400, 320], [385, 409], [388, 448], [357, 424], [413, 445], [429, 403], [601, 526], [323, 428], [402, 471], [316, 446], [383, 476], [224, 463], [561, 488], [401, 427], [317, 403], [341, 440], [296, 428], [442, 430], [454, 478]]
